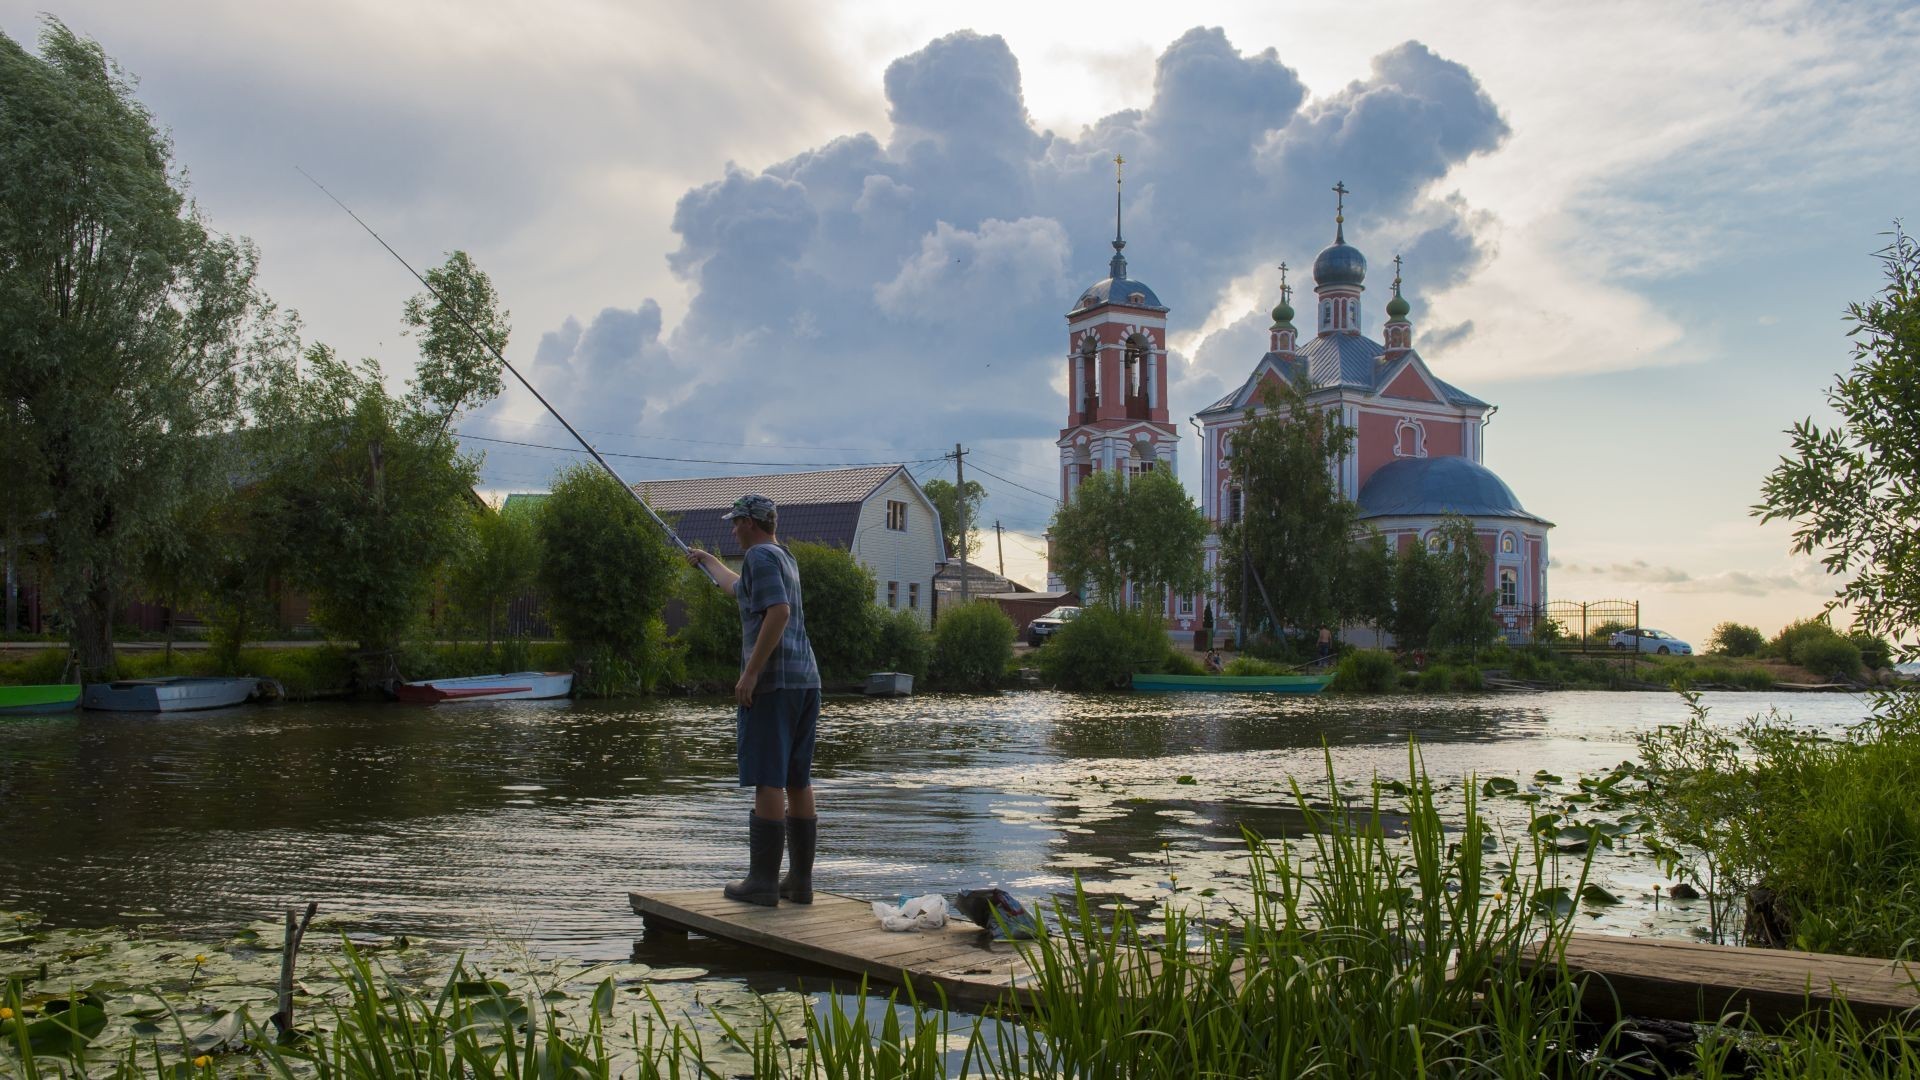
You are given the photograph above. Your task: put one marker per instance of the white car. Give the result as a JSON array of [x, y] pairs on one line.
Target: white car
[[1653, 641], [1042, 628]]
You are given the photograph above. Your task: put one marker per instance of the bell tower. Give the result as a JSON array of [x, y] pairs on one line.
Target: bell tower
[[1116, 375]]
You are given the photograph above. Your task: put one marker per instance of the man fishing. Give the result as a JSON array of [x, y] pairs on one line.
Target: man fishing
[[778, 705]]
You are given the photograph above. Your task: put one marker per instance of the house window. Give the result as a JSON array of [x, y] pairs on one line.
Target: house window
[[1186, 605], [896, 516], [1234, 506], [1509, 588], [913, 595], [893, 594]]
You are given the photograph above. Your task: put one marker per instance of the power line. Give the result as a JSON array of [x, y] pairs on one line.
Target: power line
[[700, 461], [712, 442], [1022, 487]]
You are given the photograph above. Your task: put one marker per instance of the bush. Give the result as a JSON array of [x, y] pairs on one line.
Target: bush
[[1600, 633], [1436, 679], [843, 622], [1467, 678], [1736, 639], [1875, 652], [1368, 671], [1253, 665], [972, 646], [1523, 665], [1796, 636], [1102, 649], [606, 571], [1828, 826], [1832, 656], [1179, 663], [901, 645]]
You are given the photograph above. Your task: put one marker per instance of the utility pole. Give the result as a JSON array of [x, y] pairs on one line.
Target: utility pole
[[966, 525], [999, 545]]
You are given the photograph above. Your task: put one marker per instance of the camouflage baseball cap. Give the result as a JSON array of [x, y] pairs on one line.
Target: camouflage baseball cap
[[755, 506]]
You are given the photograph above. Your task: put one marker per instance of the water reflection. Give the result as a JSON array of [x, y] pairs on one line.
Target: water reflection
[[531, 821]]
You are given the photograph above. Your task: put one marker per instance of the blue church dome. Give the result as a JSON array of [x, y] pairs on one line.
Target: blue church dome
[[1119, 291], [1340, 264], [1430, 487]]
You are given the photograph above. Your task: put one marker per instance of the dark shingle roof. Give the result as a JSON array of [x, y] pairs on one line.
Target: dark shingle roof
[[818, 507]]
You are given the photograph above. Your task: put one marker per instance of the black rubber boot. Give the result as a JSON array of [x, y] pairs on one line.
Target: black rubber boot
[[797, 886], [761, 886]]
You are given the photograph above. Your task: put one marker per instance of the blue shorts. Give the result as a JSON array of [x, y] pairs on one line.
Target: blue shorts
[[776, 738]]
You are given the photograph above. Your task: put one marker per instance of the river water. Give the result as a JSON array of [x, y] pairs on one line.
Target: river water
[[530, 822]]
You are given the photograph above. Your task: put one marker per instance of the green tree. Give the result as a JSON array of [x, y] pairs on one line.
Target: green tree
[[972, 646], [1365, 582], [457, 369], [1419, 596], [499, 567], [1852, 489], [1295, 526], [1467, 602], [127, 324], [836, 595], [1142, 529], [606, 571], [373, 500], [956, 515]]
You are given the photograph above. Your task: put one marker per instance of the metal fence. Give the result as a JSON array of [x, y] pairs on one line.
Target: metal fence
[[1584, 624]]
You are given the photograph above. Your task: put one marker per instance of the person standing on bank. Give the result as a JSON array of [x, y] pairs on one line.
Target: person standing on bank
[[778, 705]]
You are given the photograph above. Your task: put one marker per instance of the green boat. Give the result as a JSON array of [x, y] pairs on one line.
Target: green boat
[[1235, 684], [38, 700]]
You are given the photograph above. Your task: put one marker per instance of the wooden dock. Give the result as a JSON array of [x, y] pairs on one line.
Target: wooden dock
[[1690, 981], [840, 932]]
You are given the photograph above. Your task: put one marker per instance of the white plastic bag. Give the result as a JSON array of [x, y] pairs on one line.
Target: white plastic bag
[[927, 912]]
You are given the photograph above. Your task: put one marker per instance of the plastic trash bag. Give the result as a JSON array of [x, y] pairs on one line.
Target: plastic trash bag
[[998, 911], [927, 912]]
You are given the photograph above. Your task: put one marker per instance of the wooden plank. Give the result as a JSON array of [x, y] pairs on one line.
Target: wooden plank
[[840, 932], [1691, 981]]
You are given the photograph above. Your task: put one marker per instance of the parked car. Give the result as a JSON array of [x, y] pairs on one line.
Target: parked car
[[1653, 641], [1042, 628]]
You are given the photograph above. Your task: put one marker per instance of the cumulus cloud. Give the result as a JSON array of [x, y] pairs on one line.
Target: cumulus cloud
[[907, 288]]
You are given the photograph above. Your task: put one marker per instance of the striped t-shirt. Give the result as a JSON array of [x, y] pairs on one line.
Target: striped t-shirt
[[769, 576]]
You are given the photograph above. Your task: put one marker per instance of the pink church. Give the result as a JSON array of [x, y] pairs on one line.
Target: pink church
[[1418, 443]]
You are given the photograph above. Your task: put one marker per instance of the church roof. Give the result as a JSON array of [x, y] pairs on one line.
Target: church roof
[[1118, 291], [1339, 361], [1430, 487]]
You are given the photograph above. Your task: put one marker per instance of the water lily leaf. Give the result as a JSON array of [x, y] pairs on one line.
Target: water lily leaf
[[1555, 901], [603, 997], [1545, 777], [1594, 894], [228, 1032], [678, 974], [479, 988], [1498, 785], [1185, 778], [63, 1034]]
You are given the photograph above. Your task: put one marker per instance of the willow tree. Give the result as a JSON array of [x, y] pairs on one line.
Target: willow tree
[[123, 325]]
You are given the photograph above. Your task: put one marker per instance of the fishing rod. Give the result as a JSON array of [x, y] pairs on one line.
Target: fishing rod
[[497, 355]]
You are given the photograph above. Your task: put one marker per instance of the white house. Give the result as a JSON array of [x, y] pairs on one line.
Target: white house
[[877, 512]]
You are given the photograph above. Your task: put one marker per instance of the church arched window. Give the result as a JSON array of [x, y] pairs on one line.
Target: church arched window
[[1509, 587], [1089, 376]]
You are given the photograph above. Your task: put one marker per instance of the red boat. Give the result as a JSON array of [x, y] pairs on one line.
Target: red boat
[[519, 686]]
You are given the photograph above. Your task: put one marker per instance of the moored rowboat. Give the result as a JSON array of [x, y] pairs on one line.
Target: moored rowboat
[[519, 686], [38, 700], [174, 693], [1257, 684]]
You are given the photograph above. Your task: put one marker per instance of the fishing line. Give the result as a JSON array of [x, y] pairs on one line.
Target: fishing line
[[497, 355]]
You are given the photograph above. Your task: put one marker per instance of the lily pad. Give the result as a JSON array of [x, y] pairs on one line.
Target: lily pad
[[1599, 897], [1498, 785], [64, 1034]]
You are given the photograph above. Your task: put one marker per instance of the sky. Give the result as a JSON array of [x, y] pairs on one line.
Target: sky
[[744, 236]]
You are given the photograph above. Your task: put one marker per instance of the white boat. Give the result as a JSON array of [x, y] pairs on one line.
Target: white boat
[[174, 693], [889, 684], [519, 686]]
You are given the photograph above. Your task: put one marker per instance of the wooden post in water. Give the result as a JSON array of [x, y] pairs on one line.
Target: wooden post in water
[[283, 1019]]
